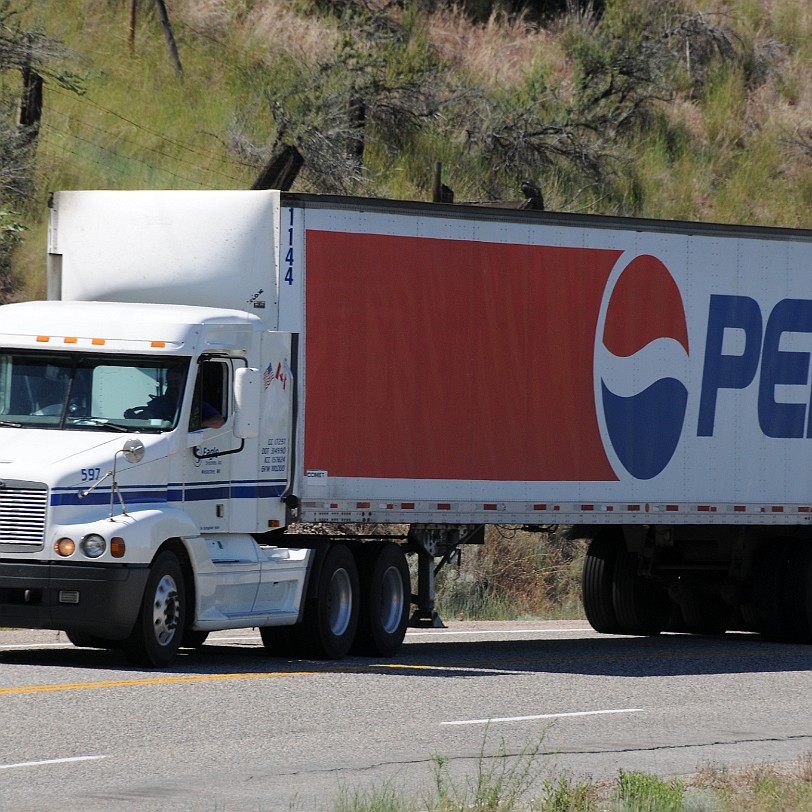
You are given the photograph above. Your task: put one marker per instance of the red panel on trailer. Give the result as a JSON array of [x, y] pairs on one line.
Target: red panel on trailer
[[449, 359]]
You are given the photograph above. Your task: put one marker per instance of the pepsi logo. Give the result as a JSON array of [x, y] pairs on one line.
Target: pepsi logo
[[641, 365]]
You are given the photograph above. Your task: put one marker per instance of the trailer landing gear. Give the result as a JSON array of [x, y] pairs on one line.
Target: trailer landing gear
[[429, 543], [425, 615]]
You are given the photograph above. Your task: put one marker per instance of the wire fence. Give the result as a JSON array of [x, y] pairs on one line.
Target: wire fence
[[123, 149]]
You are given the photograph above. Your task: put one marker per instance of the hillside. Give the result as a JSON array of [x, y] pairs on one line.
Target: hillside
[[690, 109]]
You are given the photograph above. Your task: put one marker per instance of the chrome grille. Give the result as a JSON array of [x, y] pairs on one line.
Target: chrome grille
[[22, 515]]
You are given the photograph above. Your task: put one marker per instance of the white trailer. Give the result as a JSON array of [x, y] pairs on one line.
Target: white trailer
[[384, 363]]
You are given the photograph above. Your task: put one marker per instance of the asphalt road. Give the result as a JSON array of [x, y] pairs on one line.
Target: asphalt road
[[229, 729]]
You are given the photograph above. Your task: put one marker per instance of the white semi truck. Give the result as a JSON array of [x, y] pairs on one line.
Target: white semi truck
[[216, 369]]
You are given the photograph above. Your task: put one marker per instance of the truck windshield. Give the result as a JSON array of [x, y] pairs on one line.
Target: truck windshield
[[90, 392]]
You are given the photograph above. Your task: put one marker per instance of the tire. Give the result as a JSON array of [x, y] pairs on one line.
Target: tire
[[641, 605], [596, 584], [808, 598], [331, 618], [156, 636], [385, 599], [794, 593], [770, 567], [748, 617]]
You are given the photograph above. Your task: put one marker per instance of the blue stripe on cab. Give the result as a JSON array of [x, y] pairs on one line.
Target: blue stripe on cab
[[176, 492]]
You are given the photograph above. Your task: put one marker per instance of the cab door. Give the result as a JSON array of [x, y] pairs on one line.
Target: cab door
[[207, 480], [209, 490]]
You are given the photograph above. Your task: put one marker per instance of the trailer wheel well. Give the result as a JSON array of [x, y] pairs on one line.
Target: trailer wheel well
[[612, 535]]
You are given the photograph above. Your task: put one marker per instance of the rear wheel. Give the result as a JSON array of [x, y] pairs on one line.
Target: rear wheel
[[768, 601], [156, 637], [782, 590], [596, 584], [796, 597], [641, 604], [385, 598], [807, 589], [331, 618]]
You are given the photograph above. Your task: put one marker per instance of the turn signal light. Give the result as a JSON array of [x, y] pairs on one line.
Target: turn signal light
[[65, 547], [117, 547]]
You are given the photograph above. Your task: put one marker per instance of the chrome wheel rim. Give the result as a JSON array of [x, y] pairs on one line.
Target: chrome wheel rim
[[391, 600], [165, 610], [339, 602]]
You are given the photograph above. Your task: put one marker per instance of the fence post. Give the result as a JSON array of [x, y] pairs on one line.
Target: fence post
[[30, 112], [281, 170], [131, 26], [170, 37]]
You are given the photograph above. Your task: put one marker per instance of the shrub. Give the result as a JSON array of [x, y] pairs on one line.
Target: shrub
[[643, 792], [514, 574]]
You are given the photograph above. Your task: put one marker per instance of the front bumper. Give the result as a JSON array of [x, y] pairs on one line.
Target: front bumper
[[95, 600]]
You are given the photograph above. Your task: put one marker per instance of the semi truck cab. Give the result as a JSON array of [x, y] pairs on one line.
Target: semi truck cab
[[108, 466]]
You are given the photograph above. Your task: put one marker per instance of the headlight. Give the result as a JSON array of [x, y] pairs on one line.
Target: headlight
[[93, 545]]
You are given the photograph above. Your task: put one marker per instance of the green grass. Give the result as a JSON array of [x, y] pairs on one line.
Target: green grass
[[527, 783]]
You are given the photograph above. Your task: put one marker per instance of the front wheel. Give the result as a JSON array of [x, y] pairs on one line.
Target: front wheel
[[385, 598], [157, 633]]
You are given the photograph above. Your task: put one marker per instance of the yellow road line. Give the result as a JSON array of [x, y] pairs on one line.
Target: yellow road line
[[129, 683], [186, 678], [483, 666]]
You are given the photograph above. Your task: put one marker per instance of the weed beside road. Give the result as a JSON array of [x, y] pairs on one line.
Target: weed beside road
[[516, 785]]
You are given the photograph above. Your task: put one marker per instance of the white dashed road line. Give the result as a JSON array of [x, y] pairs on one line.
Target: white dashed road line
[[455, 632], [70, 760], [541, 716]]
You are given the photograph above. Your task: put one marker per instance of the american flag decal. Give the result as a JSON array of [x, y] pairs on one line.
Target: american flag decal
[[278, 373]]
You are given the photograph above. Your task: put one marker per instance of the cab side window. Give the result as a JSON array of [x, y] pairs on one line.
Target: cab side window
[[210, 403]]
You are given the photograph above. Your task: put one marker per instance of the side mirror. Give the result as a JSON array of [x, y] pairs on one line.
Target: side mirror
[[133, 451], [247, 386]]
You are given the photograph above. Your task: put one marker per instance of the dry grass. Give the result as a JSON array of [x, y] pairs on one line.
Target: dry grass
[[211, 18], [760, 788], [276, 26], [263, 28], [499, 52], [515, 574]]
